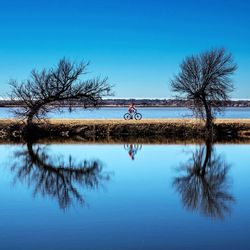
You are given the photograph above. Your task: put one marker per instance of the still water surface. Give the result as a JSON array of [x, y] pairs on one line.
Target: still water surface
[[111, 113], [78, 196]]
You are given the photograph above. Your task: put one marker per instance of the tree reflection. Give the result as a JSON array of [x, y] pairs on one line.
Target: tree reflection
[[57, 177], [204, 185]]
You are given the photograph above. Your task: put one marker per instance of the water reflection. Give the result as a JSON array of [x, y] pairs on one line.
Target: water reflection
[[132, 149], [204, 183], [57, 177]]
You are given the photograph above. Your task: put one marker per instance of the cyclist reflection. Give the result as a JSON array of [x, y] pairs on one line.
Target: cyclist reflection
[[132, 149]]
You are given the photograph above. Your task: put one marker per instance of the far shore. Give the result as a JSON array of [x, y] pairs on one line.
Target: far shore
[[126, 106]]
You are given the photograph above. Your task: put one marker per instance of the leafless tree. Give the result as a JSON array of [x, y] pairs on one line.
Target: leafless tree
[[48, 89], [206, 81]]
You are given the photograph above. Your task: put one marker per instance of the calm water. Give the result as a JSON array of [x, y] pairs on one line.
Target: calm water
[[80, 196], [110, 113]]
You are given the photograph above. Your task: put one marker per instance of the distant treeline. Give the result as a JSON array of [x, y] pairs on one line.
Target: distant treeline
[[137, 102]]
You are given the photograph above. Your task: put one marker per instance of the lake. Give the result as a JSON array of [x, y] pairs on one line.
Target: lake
[[115, 113], [115, 196]]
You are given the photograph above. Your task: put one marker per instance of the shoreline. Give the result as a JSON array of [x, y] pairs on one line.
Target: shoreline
[[126, 106]]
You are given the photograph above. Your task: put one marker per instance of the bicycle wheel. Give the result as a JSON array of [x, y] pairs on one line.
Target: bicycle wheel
[[127, 116], [138, 116], [126, 146], [138, 147]]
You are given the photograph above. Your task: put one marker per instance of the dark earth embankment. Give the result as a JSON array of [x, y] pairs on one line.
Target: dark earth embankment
[[120, 130]]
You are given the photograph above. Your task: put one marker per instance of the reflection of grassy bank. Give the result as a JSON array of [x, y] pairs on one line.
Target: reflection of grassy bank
[[120, 140], [151, 130]]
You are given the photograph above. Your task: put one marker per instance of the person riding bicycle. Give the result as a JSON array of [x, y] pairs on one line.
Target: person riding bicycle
[[132, 113], [131, 108]]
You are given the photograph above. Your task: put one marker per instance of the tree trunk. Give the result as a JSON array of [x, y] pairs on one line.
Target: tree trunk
[[34, 110], [30, 120], [209, 118]]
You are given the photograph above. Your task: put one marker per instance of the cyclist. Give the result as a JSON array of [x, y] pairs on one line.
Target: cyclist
[[131, 108], [132, 113]]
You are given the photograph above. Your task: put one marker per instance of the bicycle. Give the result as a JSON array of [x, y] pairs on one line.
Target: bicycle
[[136, 147], [134, 115]]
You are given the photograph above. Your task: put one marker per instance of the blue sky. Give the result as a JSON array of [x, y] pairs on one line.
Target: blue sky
[[137, 44]]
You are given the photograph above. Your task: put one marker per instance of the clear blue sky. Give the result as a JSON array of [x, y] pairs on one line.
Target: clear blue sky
[[138, 44]]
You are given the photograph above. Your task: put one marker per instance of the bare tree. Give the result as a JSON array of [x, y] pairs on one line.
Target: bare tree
[[205, 80], [48, 89]]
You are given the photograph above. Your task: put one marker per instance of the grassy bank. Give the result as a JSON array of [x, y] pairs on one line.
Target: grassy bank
[[157, 129]]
